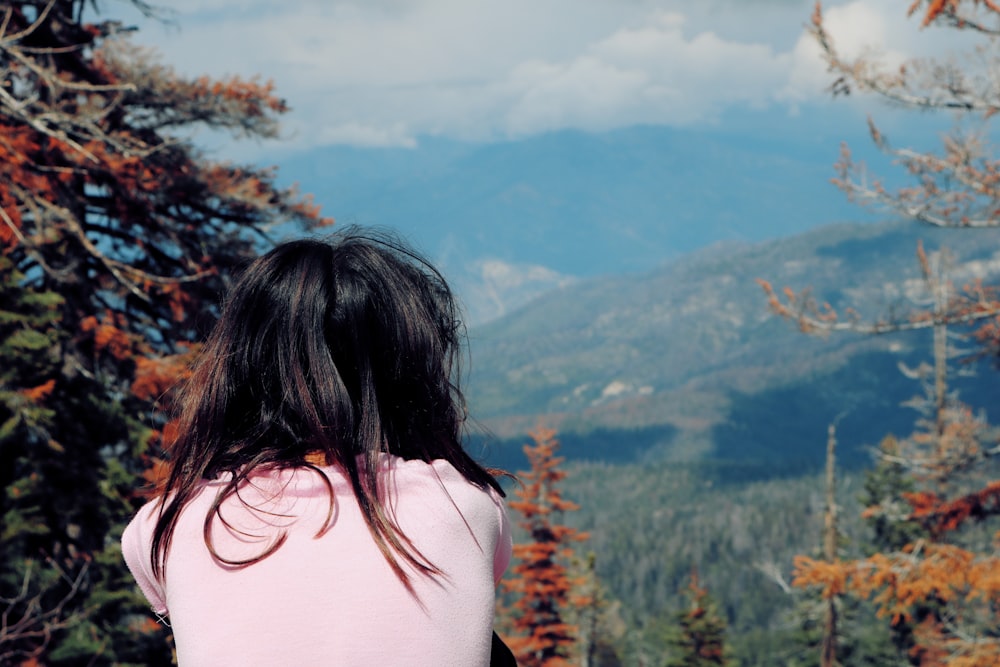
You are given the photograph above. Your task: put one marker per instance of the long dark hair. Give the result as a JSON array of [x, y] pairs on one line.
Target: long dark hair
[[346, 347]]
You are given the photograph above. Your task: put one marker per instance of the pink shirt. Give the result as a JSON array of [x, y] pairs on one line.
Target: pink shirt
[[331, 600]]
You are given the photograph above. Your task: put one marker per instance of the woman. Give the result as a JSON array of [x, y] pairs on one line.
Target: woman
[[319, 506]]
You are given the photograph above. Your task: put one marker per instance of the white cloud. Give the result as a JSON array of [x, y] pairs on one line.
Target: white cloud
[[651, 74], [386, 72], [587, 92]]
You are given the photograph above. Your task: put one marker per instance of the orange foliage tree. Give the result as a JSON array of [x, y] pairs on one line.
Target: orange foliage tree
[[541, 582], [945, 581], [116, 238], [941, 583]]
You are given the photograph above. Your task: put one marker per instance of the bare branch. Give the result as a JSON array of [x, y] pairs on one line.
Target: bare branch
[[26, 625], [948, 307], [917, 84], [42, 15], [959, 188]]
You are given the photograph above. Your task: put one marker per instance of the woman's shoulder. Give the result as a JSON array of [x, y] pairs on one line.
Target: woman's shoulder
[[136, 543], [437, 469], [147, 515], [440, 479], [438, 472]]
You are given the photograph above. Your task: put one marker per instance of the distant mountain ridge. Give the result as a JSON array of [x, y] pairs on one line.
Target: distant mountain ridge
[[571, 204], [687, 362]]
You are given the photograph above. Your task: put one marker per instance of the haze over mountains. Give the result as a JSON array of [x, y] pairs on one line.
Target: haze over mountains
[[508, 221]]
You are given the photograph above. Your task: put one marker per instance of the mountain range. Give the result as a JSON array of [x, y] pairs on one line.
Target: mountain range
[[507, 221], [610, 283], [685, 362]]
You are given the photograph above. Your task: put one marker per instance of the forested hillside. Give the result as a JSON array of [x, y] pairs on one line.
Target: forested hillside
[[687, 363], [654, 523]]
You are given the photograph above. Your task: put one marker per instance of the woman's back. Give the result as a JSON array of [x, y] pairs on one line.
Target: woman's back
[[343, 350], [330, 598]]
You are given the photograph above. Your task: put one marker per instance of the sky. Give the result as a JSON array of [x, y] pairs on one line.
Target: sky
[[388, 72], [377, 74]]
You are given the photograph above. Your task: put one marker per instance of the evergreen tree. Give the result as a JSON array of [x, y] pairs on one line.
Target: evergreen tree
[[832, 628], [541, 636], [888, 515], [116, 238], [935, 589], [698, 640], [596, 616], [941, 582]]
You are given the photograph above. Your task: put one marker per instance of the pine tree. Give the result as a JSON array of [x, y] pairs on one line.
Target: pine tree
[[117, 237], [888, 515], [698, 640], [28, 336], [819, 621], [941, 581], [541, 636], [936, 589], [596, 616]]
